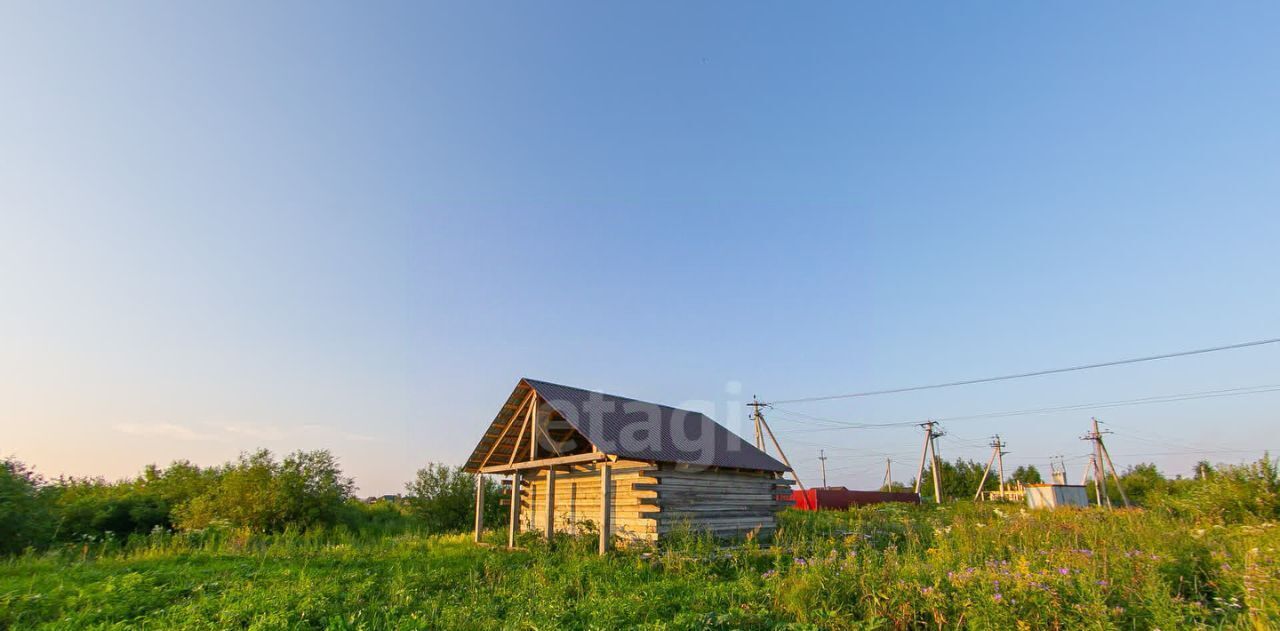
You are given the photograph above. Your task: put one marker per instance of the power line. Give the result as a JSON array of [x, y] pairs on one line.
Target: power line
[[1168, 398], [1036, 373]]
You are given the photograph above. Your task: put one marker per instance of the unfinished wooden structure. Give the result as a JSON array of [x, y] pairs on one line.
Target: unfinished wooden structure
[[579, 461]]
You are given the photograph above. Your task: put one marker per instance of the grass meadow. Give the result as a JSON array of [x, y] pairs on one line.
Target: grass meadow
[[885, 567]]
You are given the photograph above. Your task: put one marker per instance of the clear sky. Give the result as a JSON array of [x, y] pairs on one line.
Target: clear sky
[[303, 225]]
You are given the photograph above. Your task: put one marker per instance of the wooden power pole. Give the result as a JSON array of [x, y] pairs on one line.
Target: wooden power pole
[[756, 418], [761, 424], [888, 475], [997, 452], [822, 460], [1099, 459], [930, 433]]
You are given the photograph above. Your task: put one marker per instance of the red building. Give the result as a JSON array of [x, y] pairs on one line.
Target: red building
[[840, 498]]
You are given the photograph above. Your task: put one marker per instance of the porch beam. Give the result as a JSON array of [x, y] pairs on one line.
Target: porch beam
[[545, 462]]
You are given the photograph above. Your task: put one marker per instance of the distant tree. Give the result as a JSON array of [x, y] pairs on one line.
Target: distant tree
[[25, 518], [959, 479], [1028, 474], [443, 497], [261, 494], [178, 483], [311, 488], [1141, 482], [93, 507]]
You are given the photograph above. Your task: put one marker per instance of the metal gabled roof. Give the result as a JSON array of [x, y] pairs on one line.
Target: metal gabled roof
[[631, 429]]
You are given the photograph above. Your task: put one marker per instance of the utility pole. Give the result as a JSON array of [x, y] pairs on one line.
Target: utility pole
[[822, 459], [997, 452], [929, 435], [1000, 452], [761, 424], [1093, 469], [888, 475], [937, 471], [1101, 457], [757, 418]]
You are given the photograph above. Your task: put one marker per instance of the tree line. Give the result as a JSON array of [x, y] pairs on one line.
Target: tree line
[[258, 492], [307, 490]]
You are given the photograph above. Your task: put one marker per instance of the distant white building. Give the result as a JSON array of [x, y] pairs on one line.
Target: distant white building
[[1053, 496]]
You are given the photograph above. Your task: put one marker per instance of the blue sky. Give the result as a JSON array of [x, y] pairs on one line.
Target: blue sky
[[322, 225]]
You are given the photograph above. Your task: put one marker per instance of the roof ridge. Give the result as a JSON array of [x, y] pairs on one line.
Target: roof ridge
[[532, 381]]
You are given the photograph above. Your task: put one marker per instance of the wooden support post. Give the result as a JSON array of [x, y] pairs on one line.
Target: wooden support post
[[985, 472], [1000, 458], [1099, 474], [755, 418], [1097, 486], [606, 509], [551, 503], [1106, 454], [781, 453], [928, 438], [514, 526], [479, 506], [937, 475]]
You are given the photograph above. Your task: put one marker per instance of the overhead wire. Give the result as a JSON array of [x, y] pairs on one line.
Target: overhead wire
[[833, 424], [1035, 373]]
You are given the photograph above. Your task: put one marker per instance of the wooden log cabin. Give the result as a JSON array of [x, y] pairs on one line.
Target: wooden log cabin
[[583, 461]]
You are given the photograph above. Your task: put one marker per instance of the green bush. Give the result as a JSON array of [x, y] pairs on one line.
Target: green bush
[[25, 515], [443, 497], [1247, 493]]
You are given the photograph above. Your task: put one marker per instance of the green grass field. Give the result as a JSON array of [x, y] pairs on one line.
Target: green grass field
[[962, 566]]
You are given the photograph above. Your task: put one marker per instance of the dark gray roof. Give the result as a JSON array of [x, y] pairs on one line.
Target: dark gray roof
[[633, 429]]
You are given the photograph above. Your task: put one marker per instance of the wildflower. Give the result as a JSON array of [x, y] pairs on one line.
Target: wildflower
[[997, 597], [1064, 571], [801, 561], [769, 574], [1103, 583], [926, 590]]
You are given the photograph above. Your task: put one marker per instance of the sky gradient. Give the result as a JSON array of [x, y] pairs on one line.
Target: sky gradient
[[318, 225]]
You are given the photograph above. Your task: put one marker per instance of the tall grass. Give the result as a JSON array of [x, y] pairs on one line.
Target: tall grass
[[886, 567]]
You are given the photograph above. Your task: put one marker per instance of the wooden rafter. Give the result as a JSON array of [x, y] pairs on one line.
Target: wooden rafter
[[551, 441], [520, 437], [512, 421]]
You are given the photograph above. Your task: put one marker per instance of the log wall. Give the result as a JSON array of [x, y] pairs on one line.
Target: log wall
[[577, 501], [651, 500]]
